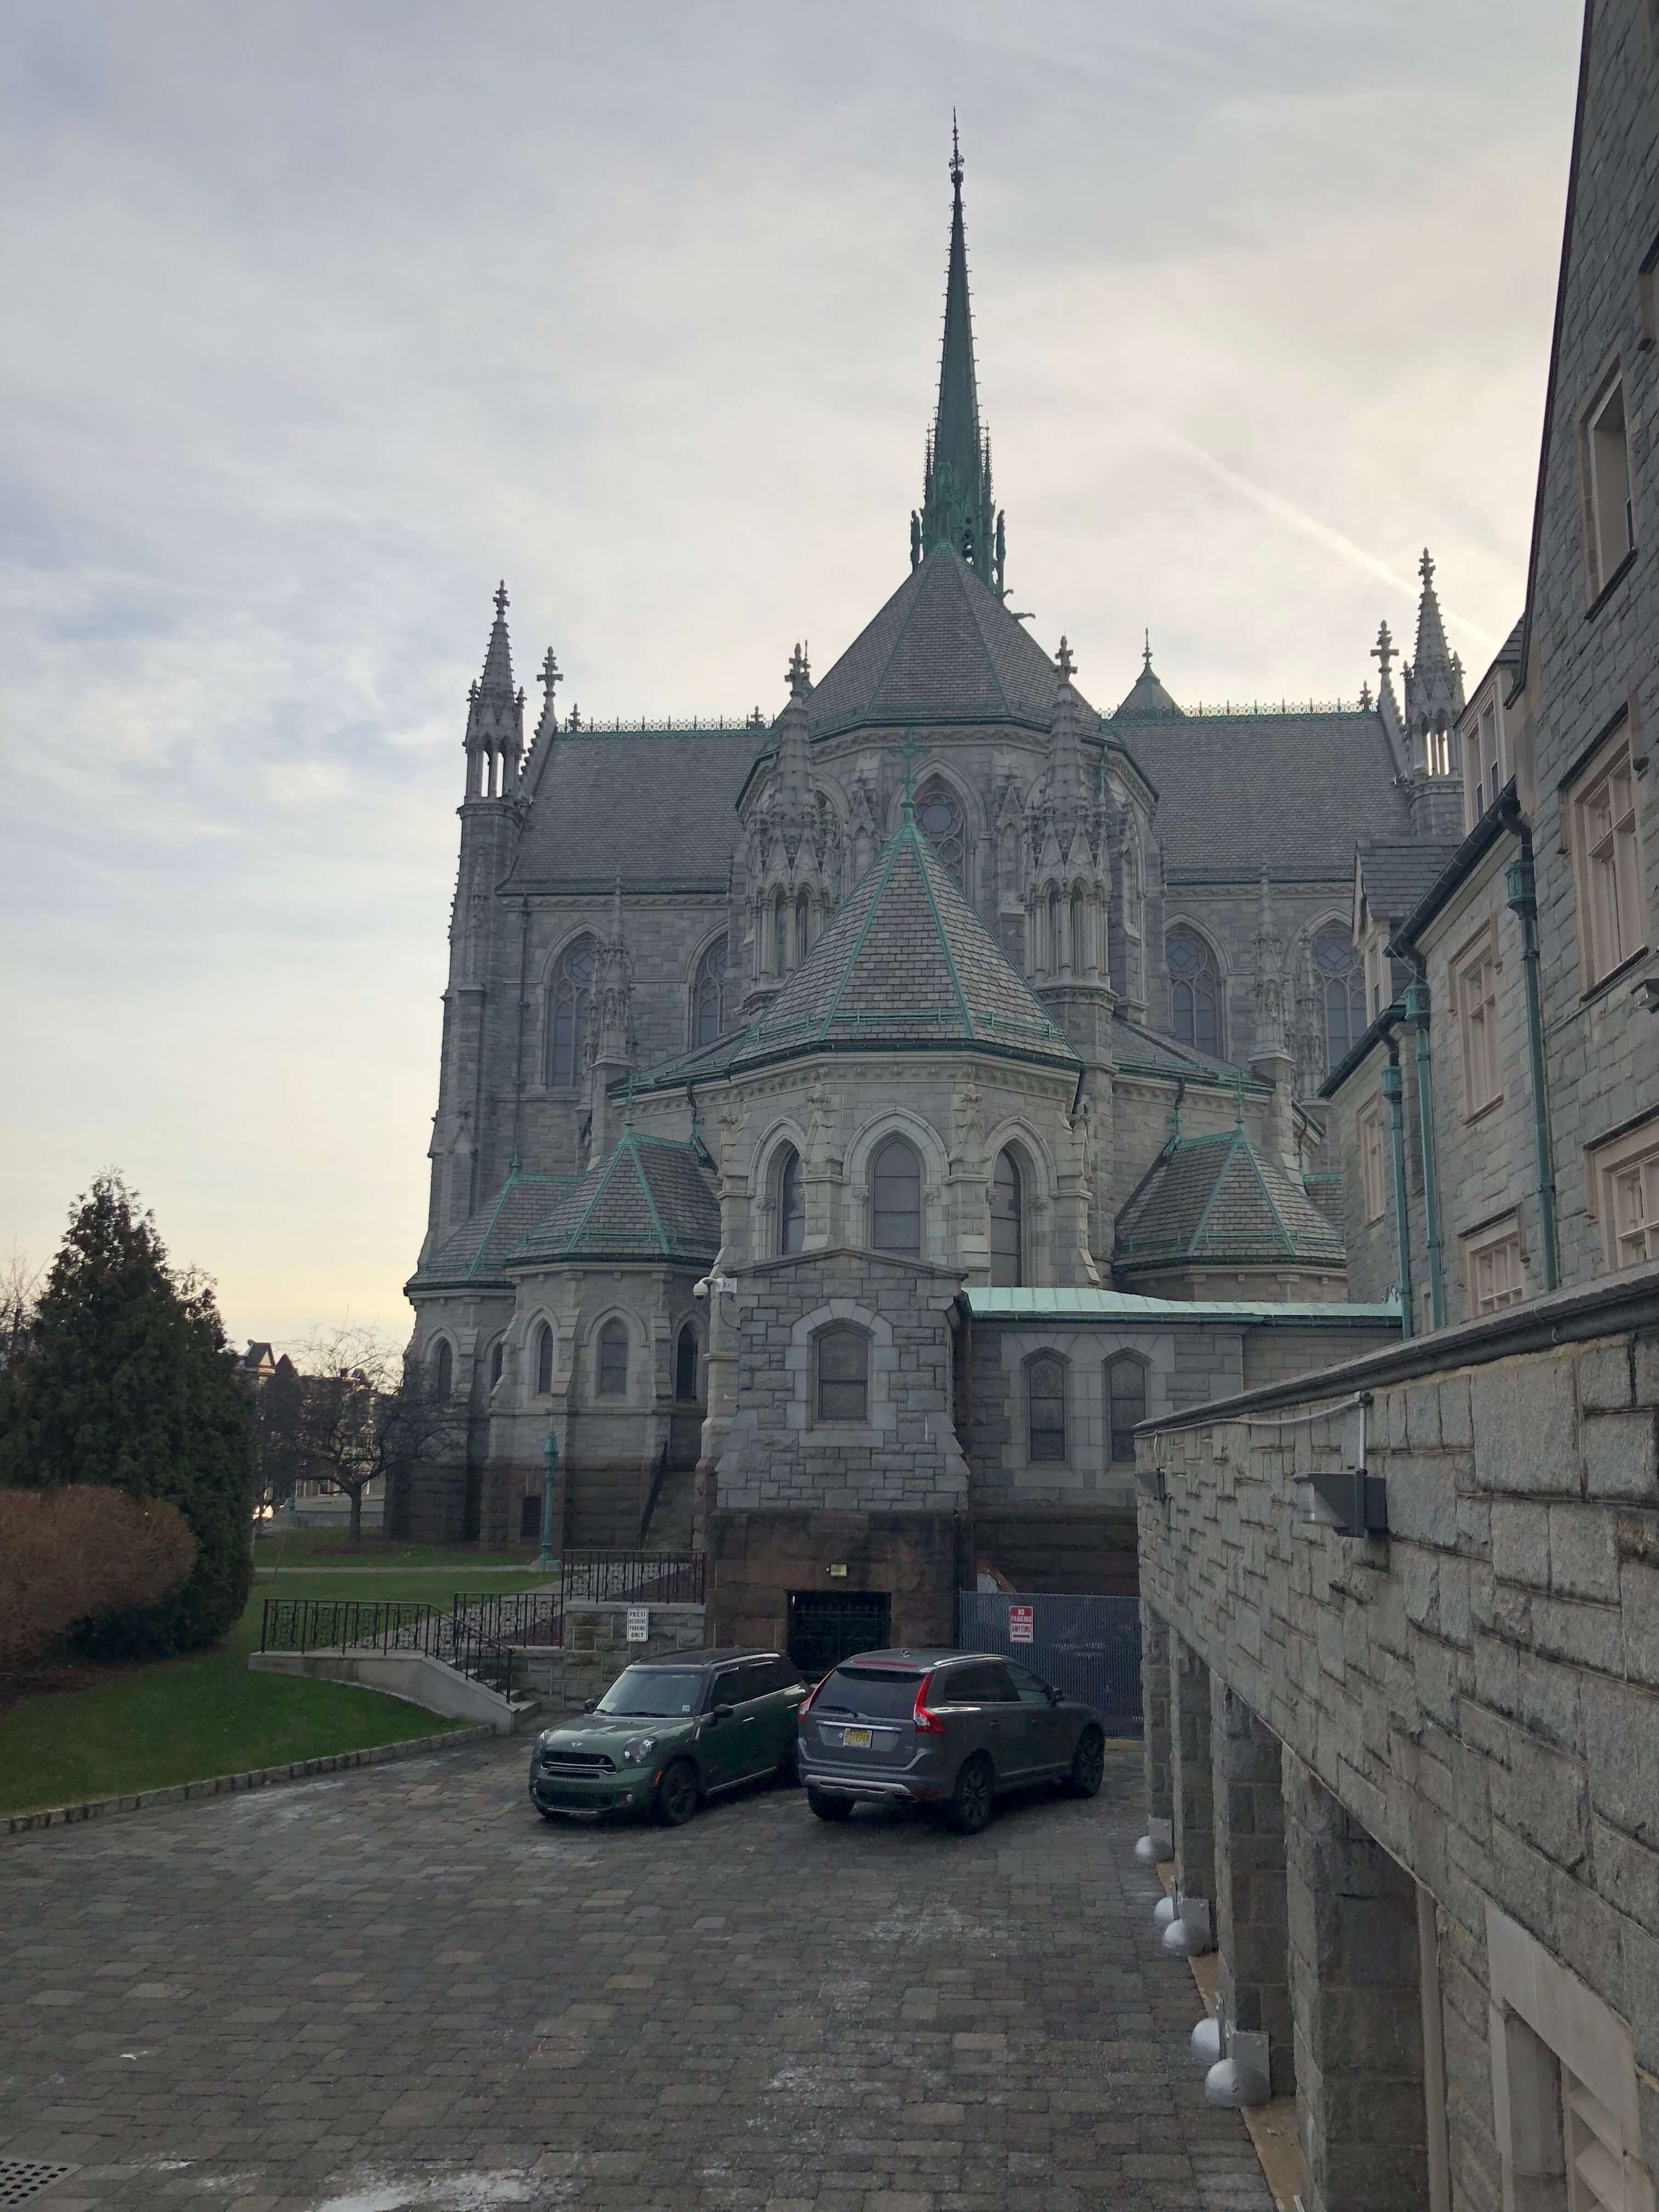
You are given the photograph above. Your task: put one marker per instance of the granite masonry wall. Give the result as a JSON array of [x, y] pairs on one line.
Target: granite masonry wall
[[1467, 1712]]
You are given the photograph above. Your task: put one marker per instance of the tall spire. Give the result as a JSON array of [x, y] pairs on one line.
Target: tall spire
[[498, 657], [956, 507]]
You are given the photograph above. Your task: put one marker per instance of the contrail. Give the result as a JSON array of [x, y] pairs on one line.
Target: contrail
[[1334, 541]]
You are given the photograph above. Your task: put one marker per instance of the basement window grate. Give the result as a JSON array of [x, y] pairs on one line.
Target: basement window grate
[[22, 2180]]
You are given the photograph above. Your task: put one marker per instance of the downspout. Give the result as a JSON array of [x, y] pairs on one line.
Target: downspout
[[1522, 894], [1417, 1013], [1393, 1090]]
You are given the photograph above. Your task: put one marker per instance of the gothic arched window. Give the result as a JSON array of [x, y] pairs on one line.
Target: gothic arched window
[[1196, 990], [1007, 1223], [569, 1013], [612, 1378], [802, 926], [792, 1204], [544, 1360], [841, 1357], [780, 934], [1045, 1407], [498, 1359], [1078, 935], [939, 819], [1126, 1402], [685, 1365], [708, 995], [443, 1371], [1340, 975], [896, 1198]]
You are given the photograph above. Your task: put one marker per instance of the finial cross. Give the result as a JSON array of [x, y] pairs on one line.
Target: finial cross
[[955, 151], [798, 672], [1425, 570], [909, 752], [500, 600], [1146, 649], [550, 675], [1382, 653], [1065, 661]]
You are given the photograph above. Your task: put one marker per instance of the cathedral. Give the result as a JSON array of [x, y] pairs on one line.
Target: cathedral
[[850, 1125]]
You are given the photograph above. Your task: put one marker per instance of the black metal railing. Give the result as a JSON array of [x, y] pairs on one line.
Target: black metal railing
[[312, 1624], [632, 1578]]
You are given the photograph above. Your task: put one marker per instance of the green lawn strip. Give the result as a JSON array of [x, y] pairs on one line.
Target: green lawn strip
[[324, 1547], [186, 1720]]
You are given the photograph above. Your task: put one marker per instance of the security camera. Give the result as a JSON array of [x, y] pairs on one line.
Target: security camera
[[700, 1289]]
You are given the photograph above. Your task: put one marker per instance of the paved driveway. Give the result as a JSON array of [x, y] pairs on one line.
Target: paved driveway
[[397, 1987]]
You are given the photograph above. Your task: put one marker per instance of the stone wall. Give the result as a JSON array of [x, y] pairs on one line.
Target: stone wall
[[1471, 1701], [596, 1650], [755, 1558]]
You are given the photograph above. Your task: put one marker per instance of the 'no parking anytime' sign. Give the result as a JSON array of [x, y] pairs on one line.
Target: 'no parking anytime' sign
[[1020, 1621]]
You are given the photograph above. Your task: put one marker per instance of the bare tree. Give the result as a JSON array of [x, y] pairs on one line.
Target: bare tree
[[365, 1413], [20, 1292]]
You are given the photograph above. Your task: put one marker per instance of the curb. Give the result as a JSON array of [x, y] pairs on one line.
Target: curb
[[223, 1785]]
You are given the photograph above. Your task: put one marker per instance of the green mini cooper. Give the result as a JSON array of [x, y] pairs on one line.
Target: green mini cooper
[[668, 1733]]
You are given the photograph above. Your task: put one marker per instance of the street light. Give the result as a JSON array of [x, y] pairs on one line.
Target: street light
[[549, 1464]]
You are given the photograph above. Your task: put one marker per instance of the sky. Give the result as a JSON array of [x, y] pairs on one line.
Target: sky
[[320, 320]]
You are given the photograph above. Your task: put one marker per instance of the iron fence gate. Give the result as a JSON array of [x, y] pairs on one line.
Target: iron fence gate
[[1089, 1647]]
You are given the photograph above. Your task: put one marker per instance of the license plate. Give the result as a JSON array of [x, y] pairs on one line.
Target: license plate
[[855, 1739]]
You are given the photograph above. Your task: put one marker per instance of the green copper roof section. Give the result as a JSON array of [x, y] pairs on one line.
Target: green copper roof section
[[905, 965], [649, 1198], [476, 1251]]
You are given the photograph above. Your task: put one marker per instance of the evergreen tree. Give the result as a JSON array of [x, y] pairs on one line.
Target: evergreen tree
[[126, 1384]]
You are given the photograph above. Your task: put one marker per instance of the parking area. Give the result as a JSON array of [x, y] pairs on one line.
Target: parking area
[[398, 1987]]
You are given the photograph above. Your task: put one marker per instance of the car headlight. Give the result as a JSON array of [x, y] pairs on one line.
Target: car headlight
[[641, 1748]]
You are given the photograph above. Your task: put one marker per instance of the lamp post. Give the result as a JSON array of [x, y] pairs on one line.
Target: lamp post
[[549, 1465]]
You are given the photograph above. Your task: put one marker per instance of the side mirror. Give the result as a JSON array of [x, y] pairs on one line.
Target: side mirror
[[721, 1713], [590, 1705], [1055, 1697]]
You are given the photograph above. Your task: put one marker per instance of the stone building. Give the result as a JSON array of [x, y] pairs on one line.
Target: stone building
[[1401, 1618], [770, 1046]]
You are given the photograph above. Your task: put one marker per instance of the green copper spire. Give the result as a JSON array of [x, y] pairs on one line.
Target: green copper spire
[[956, 506]]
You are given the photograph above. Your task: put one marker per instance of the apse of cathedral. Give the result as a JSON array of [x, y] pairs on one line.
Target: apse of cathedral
[[851, 1122]]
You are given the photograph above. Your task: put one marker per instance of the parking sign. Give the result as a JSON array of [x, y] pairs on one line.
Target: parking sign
[[639, 1623], [1020, 1621]]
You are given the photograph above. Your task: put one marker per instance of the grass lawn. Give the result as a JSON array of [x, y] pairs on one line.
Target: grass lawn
[[315, 1547], [123, 1728]]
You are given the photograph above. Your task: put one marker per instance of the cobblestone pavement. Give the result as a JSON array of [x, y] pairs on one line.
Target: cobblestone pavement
[[398, 1987]]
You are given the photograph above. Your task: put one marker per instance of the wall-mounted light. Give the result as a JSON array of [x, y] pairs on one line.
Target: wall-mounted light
[[1347, 1499], [1149, 1481], [1350, 1501]]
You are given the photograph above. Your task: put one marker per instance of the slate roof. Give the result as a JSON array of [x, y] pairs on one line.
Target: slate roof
[[1216, 1199], [1146, 696], [904, 963], [657, 807], [1236, 790], [1144, 1052], [943, 649], [1395, 872], [475, 1252], [649, 1198]]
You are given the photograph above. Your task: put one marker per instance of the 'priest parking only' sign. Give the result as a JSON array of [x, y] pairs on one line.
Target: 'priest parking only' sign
[[639, 1623], [1020, 1620]]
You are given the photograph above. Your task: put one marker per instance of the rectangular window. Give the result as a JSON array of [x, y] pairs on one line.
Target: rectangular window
[[1487, 768], [1494, 1268], [1475, 992], [1625, 1191], [1371, 1139], [1613, 515], [1612, 908]]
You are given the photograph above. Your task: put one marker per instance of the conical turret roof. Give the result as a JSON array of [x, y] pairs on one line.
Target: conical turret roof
[[943, 649], [905, 965], [1146, 700], [1216, 1199]]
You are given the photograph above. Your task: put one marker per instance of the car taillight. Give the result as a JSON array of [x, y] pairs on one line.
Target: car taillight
[[925, 1723], [805, 1706]]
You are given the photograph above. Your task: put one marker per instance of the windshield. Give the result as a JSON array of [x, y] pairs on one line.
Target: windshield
[[662, 1692], [871, 1692]]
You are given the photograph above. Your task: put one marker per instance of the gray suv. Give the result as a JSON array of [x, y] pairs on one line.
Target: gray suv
[[944, 1729]]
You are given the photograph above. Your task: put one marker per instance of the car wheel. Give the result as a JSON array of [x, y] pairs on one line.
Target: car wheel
[[829, 1809], [1088, 1764], [677, 1795], [970, 1807]]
